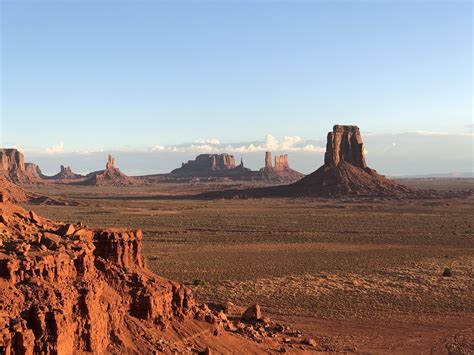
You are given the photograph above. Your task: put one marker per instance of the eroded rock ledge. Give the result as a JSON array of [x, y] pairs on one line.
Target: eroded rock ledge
[[67, 287]]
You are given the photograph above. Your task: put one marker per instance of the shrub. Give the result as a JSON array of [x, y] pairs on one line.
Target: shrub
[[199, 282], [447, 272]]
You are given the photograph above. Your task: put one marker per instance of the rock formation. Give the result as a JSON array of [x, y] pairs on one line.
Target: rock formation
[[206, 164], [281, 172], [12, 164], [344, 144], [110, 176], [110, 163], [281, 162], [68, 289], [210, 167], [268, 160], [345, 171], [65, 174], [33, 171], [11, 192]]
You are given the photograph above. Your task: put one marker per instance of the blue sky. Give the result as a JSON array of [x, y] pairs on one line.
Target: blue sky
[[125, 75]]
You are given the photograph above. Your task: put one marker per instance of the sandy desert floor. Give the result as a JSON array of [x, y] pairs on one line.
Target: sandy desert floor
[[356, 274]]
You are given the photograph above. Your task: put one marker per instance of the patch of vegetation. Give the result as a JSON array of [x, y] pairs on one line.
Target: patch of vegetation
[[199, 282], [447, 272]]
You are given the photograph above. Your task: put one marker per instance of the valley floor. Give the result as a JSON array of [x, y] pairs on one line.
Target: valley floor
[[355, 274]]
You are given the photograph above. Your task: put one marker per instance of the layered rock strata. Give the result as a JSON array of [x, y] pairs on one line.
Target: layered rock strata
[[67, 288], [12, 164]]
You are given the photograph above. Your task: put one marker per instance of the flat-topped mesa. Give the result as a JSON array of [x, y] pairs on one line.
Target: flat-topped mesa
[[12, 164], [207, 163], [222, 161], [344, 144], [281, 162], [110, 163]]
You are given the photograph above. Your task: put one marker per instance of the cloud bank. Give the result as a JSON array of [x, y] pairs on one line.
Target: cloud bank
[[270, 143]]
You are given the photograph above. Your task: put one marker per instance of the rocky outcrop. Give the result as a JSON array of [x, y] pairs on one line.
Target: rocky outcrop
[[268, 160], [66, 288], [33, 172], [206, 164], [12, 164], [281, 172], [110, 163], [110, 176], [281, 162], [344, 144], [345, 171], [211, 167], [65, 174], [11, 192]]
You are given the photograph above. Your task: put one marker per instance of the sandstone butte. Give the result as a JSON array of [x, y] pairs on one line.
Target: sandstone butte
[[110, 176], [281, 171], [70, 289]]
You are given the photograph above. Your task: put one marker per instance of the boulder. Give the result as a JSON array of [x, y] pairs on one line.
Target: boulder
[[253, 313]]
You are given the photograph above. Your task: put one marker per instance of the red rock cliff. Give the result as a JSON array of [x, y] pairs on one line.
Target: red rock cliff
[[12, 164], [344, 144], [68, 289]]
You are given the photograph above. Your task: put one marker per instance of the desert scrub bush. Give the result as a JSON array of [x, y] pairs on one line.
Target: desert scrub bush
[[199, 282], [447, 272]]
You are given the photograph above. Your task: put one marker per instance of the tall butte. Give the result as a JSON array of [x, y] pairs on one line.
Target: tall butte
[[345, 171]]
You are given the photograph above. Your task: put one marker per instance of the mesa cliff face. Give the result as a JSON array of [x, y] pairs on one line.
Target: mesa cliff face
[[344, 144], [206, 164], [67, 288], [12, 164], [33, 172]]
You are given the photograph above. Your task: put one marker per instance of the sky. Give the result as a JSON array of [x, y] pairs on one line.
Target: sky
[[158, 82]]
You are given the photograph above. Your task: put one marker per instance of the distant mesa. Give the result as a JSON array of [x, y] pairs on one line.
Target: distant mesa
[[66, 173], [281, 171], [212, 166], [206, 164], [110, 176]]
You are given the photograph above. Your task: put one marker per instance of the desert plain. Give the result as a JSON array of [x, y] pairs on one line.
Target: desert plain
[[356, 274]]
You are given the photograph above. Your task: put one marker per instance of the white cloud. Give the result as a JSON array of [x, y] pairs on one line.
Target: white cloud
[[55, 149], [270, 143], [289, 142], [213, 141]]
